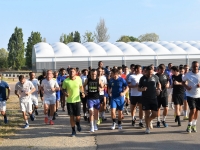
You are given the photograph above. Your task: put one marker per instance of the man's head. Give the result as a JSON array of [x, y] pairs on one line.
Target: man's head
[[62, 71], [100, 64], [181, 70], [84, 72], [32, 75], [149, 70], [175, 70], [93, 74], [120, 70], [55, 74], [161, 68], [169, 66], [44, 73], [100, 72], [49, 74], [186, 67], [126, 70], [138, 69], [115, 73], [72, 72], [22, 79], [195, 66], [144, 70]]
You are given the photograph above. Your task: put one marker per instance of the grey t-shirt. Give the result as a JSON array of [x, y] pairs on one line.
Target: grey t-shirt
[[47, 85]]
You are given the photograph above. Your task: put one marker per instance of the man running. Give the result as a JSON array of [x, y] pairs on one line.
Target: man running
[[95, 85], [3, 98], [72, 87], [185, 103], [84, 99], [117, 89], [62, 96], [40, 78], [49, 87], [135, 97], [34, 95], [148, 85], [24, 89], [193, 95], [163, 97]]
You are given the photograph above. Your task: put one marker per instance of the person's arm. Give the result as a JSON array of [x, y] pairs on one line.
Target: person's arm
[[85, 84], [32, 87], [16, 93], [141, 88], [7, 97], [101, 84], [125, 85], [167, 85], [56, 87]]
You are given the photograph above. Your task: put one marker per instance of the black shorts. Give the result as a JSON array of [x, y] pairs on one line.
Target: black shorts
[[41, 94], [193, 103], [135, 99], [178, 99], [101, 98], [74, 109], [149, 104], [162, 101]]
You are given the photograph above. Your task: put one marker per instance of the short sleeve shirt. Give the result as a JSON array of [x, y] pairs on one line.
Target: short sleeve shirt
[[117, 86], [192, 80], [150, 83], [3, 86], [177, 89], [22, 89], [36, 84], [163, 78], [134, 79], [47, 85], [104, 81], [73, 89]]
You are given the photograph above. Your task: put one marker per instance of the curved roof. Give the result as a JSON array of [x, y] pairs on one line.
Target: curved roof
[[59, 49]]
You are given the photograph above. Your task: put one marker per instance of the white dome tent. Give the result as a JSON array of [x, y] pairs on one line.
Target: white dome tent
[[57, 55]]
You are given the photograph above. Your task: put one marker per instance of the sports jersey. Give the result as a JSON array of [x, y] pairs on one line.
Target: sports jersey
[[47, 85], [134, 79], [163, 79], [73, 89], [3, 86], [177, 89]]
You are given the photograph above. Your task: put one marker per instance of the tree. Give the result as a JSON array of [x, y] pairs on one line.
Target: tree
[[77, 37], [67, 38], [3, 58], [101, 32], [124, 38], [88, 37], [16, 49], [153, 37], [32, 40], [133, 39]]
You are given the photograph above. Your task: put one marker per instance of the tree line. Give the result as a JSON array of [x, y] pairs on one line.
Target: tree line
[[17, 55]]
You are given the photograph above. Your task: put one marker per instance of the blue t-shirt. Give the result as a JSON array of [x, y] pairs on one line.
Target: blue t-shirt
[[58, 92], [3, 86], [117, 86]]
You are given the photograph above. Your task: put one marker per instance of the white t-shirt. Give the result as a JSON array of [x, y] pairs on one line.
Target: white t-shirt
[[192, 80], [104, 81], [36, 84], [83, 78], [22, 89], [134, 79], [47, 85]]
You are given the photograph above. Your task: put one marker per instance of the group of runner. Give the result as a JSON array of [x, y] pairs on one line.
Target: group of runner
[[102, 89]]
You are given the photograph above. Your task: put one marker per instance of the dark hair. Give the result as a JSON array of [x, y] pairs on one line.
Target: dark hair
[[44, 72], [181, 68], [99, 62], [132, 65], [21, 77], [114, 71], [149, 68], [194, 62], [137, 67], [107, 67], [169, 64], [161, 66], [175, 68], [93, 70], [119, 68], [186, 66], [144, 68]]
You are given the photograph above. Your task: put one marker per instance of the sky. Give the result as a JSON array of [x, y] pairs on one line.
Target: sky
[[172, 20]]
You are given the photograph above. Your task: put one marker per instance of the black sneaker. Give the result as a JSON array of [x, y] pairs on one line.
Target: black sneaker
[[36, 112], [32, 117], [158, 124], [133, 122], [54, 118], [164, 124], [73, 133], [104, 118], [56, 114], [85, 118], [88, 119], [79, 128], [141, 125]]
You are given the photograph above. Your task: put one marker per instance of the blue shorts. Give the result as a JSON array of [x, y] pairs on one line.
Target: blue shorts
[[105, 94], [93, 103], [58, 96], [117, 102], [185, 97]]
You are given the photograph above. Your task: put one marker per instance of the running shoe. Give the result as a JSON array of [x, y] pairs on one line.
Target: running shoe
[[119, 126], [26, 126], [51, 122], [158, 124], [104, 118], [189, 129], [98, 122], [185, 118], [141, 125], [194, 129], [32, 117], [95, 127], [92, 129], [101, 120], [46, 120], [147, 131], [151, 125], [133, 122], [5, 119], [126, 111], [54, 118], [79, 128], [36, 112], [113, 126], [73, 133], [164, 124]]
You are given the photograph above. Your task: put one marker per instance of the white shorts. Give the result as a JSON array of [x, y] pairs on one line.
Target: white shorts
[[2, 105], [34, 100], [26, 106], [50, 100]]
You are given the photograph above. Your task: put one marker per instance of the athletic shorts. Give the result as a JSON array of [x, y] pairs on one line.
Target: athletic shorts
[[178, 99], [41, 94], [101, 98], [105, 94], [127, 95], [162, 101], [185, 97], [49, 100], [149, 104], [193, 103], [74, 109], [117, 102], [135, 99], [93, 103], [58, 96], [26, 106], [3, 105], [34, 100]]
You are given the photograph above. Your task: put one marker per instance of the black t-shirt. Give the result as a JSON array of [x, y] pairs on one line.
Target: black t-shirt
[[151, 84], [40, 78], [177, 89], [163, 79], [93, 88]]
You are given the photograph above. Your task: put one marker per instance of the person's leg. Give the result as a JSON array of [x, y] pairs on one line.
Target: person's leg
[[113, 106], [140, 114], [46, 109], [177, 111], [52, 112], [147, 116], [3, 111], [77, 113]]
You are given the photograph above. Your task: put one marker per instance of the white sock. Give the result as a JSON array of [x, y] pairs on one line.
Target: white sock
[[164, 118], [190, 123], [133, 117], [92, 123], [186, 114], [140, 120], [103, 114], [194, 122], [158, 119], [26, 121], [95, 122], [85, 114]]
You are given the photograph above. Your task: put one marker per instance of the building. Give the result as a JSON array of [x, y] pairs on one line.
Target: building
[[57, 55]]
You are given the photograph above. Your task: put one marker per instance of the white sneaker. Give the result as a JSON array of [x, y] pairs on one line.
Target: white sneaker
[[95, 128], [147, 131], [151, 125], [172, 105], [92, 129], [113, 126], [119, 126]]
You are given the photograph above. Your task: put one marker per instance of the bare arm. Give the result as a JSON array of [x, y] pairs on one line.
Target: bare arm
[[16, 93], [85, 84], [186, 86]]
